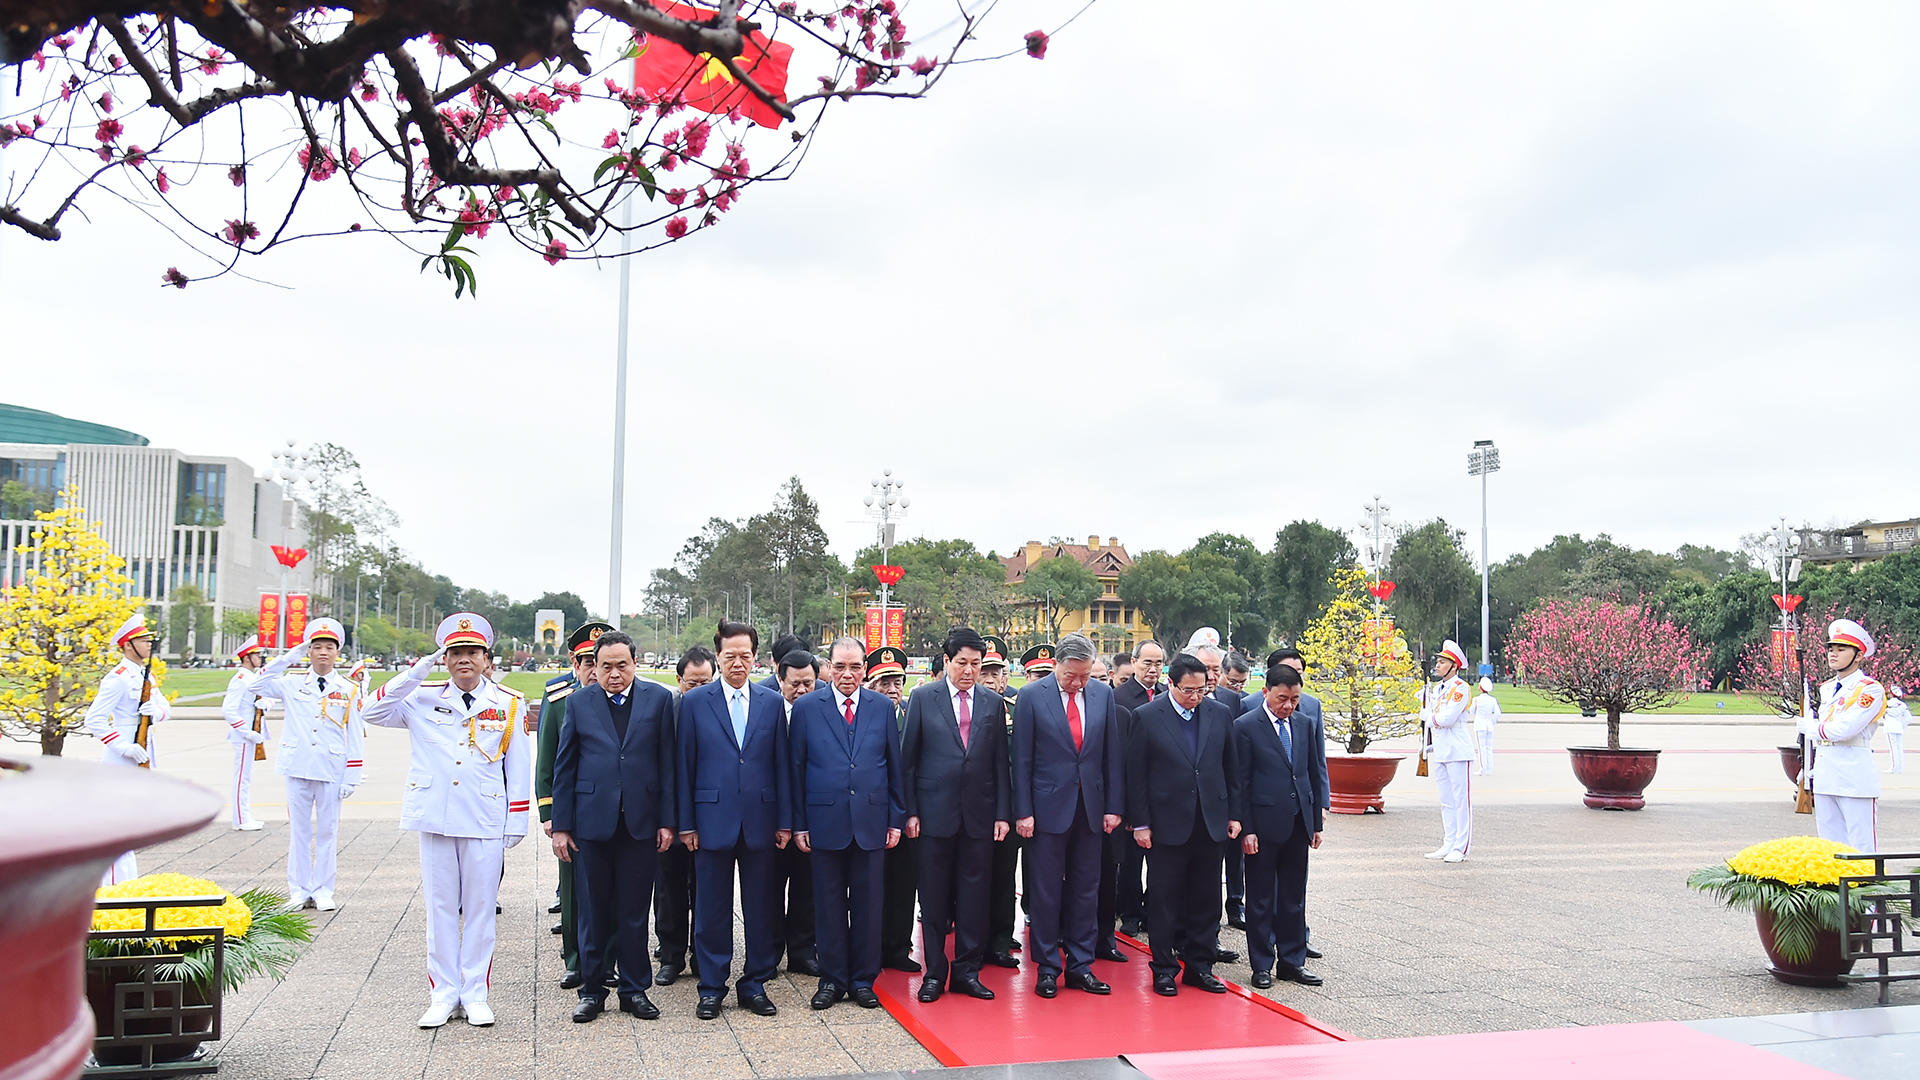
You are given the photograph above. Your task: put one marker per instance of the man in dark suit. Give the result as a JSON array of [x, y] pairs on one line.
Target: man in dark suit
[[796, 673], [959, 796], [1129, 862], [1069, 789], [848, 810], [673, 892], [887, 673], [1283, 770], [1308, 710], [1004, 890], [734, 813], [1183, 799], [613, 810]]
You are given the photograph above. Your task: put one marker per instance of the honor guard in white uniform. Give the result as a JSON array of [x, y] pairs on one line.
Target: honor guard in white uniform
[[469, 786], [1447, 744], [247, 731], [1895, 723], [1486, 715], [115, 716], [1846, 786], [321, 740]]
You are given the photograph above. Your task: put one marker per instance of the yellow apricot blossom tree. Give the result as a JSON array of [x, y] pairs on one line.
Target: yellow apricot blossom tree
[[1360, 665]]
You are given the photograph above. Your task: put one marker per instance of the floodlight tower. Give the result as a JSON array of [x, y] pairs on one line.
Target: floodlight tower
[[885, 504], [1482, 461]]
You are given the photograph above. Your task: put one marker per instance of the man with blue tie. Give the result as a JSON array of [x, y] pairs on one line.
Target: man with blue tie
[[1309, 711], [1283, 775], [613, 813], [1069, 790], [734, 813], [848, 809]]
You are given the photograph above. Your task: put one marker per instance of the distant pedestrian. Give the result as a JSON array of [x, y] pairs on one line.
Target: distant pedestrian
[[1486, 714]]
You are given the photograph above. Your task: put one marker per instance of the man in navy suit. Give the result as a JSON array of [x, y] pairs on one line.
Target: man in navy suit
[[1069, 790], [1183, 801], [734, 813], [1283, 771], [1308, 710], [959, 803], [613, 813], [848, 809]]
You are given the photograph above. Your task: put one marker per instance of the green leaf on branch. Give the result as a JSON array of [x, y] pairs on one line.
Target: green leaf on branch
[[455, 269]]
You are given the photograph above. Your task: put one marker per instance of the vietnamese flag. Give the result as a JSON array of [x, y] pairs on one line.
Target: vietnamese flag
[[664, 69]]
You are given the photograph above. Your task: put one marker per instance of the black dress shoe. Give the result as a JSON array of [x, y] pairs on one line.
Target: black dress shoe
[[708, 1009], [1164, 986], [1313, 953], [1108, 952], [639, 1006], [804, 966], [828, 993], [971, 986], [1201, 981], [588, 1008], [553, 908], [1236, 920], [571, 981], [903, 963], [1047, 986], [1299, 975], [613, 979], [864, 997], [1225, 956], [1130, 927], [1086, 981], [1002, 959], [1262, 980], [554, 929], [930, 991], [667, 974], [758, 1004]]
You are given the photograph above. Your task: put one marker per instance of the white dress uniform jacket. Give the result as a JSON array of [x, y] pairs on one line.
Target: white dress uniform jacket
[[471, 772], [1443, 705], [1486, 712], [115, 712], [1850, 712], [322, 736], [1897, 718], [238, 705]]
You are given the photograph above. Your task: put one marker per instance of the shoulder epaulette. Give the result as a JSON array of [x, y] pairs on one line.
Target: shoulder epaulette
[[561, 694], [440, 685], [557, 680], [510, 691]]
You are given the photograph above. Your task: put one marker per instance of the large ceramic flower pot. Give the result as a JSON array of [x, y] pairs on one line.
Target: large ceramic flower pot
[[47, 879], [1823, 968], [1790, 764], [1354, 781], [1614, 779]]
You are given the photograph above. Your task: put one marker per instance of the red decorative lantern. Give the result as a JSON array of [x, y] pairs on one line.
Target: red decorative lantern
[[1787, 603], [289, 557], [889, 575], [1381, 590]]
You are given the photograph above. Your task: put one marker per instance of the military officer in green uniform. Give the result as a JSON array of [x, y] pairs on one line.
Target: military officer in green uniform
[[887, 673], [553, 713]]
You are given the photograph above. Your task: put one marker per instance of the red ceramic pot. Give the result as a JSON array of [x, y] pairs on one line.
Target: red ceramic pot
[[1355, 781], [1614, 779], [1790, 764], [47, 880], [1823, 968]]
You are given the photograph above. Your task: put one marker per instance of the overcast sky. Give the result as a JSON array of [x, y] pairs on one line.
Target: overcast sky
[[1183, 275]]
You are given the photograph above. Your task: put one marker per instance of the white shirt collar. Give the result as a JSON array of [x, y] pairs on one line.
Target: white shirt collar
[[840, 700], [1265, 708]]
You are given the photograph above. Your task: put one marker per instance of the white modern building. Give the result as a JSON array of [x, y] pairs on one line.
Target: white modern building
[[178, 519]]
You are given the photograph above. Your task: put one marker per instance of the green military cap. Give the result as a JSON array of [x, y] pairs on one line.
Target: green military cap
[[886, 660], [1038, 660], [584, 636], [996, 652]]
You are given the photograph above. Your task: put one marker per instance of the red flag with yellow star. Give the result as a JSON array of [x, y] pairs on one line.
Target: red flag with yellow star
[[664, 69]]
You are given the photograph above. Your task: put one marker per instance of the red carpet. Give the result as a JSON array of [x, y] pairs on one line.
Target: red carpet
[[1658, 1050], [1019, 1026]]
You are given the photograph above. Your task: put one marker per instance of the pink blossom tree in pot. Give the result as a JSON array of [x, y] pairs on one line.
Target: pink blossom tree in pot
[[1622, 656]]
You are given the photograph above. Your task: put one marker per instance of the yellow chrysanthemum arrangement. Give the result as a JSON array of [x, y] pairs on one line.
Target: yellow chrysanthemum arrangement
[[264, 933], [1796, 860], [234, 915], [1795, 880]]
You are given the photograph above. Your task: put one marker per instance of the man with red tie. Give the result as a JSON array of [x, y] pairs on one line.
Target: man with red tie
[[1068, 793]]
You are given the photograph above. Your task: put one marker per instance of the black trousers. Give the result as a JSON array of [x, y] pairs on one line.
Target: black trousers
[[1236, 874], [1277, 900], [1183, 910], [793, 935], [847, 886], [613, 888], [1130, 898], [896, 905], [1109, 904], [673, 907], [955, 872], [1004, 908]]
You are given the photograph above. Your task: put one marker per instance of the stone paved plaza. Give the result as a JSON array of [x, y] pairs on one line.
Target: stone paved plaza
[[1562, 916]]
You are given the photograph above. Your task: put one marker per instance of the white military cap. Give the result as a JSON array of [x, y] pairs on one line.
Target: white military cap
[[1452, 651], [1207, 636], [326, 628], [1486, 684], [464, 628], [1848, 632], [135, 626]]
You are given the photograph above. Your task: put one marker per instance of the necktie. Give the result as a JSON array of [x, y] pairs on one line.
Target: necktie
[[1073, 721], [323, 683], [618, 699], [465, 695], [966, 719], [1286, 738], [849, 712], [739, 708], [1149, 693]]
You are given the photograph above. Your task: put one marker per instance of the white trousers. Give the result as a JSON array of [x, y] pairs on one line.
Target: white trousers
[[1485, 736], [460, 876], [1456, 803], [313, 814], [1853, 821], [241, 790], [124, 869], [1894, 739]]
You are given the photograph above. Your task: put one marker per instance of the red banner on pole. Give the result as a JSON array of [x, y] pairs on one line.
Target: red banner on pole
[[886, 626], [270, 621], [296, 619], [897, 627], [876, 627]]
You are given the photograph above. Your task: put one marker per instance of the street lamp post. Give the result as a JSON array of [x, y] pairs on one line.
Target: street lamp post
[[885, 504], [1483, 461], [617, 542], [1378, 529], [1783, 566]]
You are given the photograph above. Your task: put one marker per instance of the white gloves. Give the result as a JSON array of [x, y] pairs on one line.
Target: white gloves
[[346, 791], [254, 737], [515, 838], [131, 750], [156, 707], [438, 654]]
